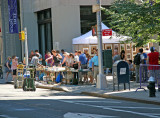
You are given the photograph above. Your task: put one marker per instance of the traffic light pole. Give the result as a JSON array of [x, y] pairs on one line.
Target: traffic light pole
[[26, 47], [101, 80], [21, 21]]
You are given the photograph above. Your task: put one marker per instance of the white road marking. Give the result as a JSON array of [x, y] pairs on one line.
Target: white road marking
[[133, 107], [98, 101], [109, 108], [23, 109], [5, 116], [84, 115]]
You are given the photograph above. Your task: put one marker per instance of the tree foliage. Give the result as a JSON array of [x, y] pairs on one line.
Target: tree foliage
[[141, 21]]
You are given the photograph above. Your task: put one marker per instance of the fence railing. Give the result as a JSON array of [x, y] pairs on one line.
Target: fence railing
[[146, 71]]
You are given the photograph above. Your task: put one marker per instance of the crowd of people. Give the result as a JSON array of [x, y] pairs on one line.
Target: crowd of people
[[76, 60], [82, 60]]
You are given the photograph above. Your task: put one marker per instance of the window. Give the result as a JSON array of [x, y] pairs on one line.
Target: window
[[45, 31], [88, 19]]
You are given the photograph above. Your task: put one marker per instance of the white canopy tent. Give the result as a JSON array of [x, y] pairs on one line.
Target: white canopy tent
[[89, 39]]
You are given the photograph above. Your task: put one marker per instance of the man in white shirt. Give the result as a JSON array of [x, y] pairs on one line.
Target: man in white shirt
[[35, 59]]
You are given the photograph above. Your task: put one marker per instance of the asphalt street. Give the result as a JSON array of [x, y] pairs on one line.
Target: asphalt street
[[15, 103]]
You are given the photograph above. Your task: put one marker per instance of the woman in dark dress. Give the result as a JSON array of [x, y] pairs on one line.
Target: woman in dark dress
[[8, 68], [122, 55]]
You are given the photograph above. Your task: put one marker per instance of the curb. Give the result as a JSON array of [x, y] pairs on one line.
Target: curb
[[120, 98], [51, 88], [99, 95]]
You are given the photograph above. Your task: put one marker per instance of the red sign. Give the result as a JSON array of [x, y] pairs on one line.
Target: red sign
[[107, 32]]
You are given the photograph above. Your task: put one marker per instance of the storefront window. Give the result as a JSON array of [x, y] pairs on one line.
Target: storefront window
[[45, 31], [88, 18]]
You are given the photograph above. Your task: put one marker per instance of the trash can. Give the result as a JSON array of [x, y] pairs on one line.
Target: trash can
[[120, 74]]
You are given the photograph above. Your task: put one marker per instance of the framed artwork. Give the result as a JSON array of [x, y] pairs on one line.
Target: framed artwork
[[92, 49], [128, 56], [134, 48], [116, 46], [122, 47], [127, 46], [108, 46], [85, 49], [146, 46]]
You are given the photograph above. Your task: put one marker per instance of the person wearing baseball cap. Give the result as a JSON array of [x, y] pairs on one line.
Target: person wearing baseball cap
[[153, 59]]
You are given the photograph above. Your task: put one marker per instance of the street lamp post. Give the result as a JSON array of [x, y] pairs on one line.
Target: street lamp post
[[101, 79]]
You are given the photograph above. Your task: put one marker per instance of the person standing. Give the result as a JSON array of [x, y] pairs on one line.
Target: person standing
[[35, 59], [138, 59], [90, 73], [40, 56], [131, 69], [56, 57], [14, 66], [8, 68], [49, 59], [62, 60], [31, 55], [152, 59], [122, 55], [76, 60], [116, 56], [83, 64], [145, 73], [95, 65]]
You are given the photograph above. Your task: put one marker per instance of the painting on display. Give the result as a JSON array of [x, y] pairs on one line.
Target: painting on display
[[85, 49], [128, 56], [127, 46], [107, 47], [134, 48], [122, 47], [92, 49], [115, 46]]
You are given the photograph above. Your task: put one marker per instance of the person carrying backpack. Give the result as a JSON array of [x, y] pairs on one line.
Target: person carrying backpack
[[138, 59]]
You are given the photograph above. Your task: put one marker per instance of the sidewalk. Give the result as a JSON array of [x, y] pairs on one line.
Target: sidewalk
[[139, 96]]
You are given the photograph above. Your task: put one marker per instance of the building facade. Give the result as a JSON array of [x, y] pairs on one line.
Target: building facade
[[9, 43], [51, 24]]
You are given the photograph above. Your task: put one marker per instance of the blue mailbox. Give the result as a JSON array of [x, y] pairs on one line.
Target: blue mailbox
[[120, 73]]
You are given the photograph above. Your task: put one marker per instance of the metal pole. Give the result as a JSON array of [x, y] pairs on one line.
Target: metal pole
[[21, 21], [101, 80], [26, 47]]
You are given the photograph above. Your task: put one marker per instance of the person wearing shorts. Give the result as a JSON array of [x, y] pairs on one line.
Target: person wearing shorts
[[14, 66]]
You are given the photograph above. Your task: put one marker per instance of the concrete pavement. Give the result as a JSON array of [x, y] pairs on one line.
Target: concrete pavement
[[139, 96]]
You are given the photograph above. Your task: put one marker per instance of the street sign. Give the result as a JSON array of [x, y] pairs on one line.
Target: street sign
[[95, 8], [107, 32]]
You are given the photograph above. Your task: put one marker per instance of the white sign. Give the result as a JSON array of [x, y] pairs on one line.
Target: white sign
[[122, 71], [95, 8]]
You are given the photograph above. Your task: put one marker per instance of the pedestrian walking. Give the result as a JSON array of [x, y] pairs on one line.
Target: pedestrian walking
[[8, 68]]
